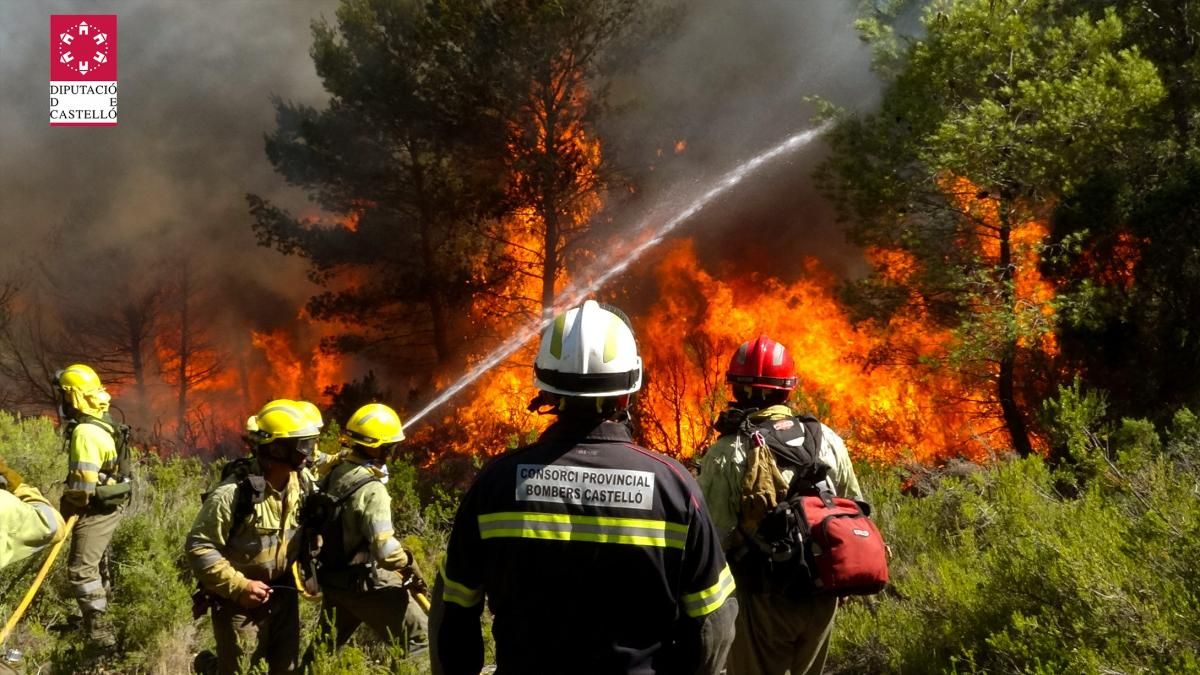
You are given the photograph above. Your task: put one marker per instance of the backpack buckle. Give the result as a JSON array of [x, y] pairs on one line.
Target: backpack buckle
[[758, 439]]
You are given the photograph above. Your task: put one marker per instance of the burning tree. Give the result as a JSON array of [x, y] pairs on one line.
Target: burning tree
[[985, 124], [408, 151], [548, 53], [189, 356], [459, 144], [1133, 236]]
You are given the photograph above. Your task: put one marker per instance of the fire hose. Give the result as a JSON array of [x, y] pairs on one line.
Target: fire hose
[[37, 582], [416, 590]]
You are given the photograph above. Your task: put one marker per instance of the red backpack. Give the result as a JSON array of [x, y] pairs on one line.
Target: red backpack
[[847, 553], [811, 541]]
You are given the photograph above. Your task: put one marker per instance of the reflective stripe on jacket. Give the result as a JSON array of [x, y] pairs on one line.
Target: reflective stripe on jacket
[[262, 548], [367, 515], [594, 555]]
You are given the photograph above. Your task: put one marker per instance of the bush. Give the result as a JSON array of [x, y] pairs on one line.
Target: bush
[[998, 572], [151, 584], [1015, 566]]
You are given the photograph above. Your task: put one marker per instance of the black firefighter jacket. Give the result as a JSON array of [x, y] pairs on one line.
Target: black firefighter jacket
[[594, 556]]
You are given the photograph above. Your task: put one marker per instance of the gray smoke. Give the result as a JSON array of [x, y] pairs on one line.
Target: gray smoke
[[196, 79], [731, 82]]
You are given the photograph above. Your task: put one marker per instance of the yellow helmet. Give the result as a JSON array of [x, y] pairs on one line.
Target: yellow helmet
[[374, 425], [80, 378], [312, 412], [281, 418], [82, 389]]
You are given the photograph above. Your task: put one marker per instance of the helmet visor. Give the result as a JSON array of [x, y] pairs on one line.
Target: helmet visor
[[299, 446]]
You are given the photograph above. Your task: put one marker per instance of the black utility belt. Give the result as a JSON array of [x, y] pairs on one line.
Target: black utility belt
[[114, 494]]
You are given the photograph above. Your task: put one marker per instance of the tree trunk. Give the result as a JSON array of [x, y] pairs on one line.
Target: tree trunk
[[184, 354], [435, 302], [549, 259], [549, 205], [1018, 431], [134, 322]]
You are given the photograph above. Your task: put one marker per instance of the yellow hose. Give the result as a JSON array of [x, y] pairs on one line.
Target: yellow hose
[[300, 584], [37, 582]]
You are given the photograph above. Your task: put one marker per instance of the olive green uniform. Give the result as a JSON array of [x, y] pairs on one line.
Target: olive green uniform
[[92, 462], [367, 587], [226, 556], [775, 635]]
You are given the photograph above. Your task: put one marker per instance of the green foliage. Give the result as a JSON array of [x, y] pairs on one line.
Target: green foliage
[[149, 600], [996, 112], [997, 572], [994, 569], [1076, 419]]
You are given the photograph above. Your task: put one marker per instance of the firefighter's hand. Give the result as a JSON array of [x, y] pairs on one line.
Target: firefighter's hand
[[12, 480], [256, 594]]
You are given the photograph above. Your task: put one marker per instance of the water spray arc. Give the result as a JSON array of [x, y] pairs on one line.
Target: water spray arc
[[616, 263]]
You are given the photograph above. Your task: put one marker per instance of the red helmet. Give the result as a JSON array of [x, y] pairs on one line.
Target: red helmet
[[763, 363]]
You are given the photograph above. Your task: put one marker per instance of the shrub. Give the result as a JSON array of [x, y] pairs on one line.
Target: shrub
[[998, 572]]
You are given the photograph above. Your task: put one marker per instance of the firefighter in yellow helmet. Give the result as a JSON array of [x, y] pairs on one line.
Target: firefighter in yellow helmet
[[244, 540], [362, 567], [321, 462], [98, 487]]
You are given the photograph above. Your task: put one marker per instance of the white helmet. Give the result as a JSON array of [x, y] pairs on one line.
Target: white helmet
[[588, 351]]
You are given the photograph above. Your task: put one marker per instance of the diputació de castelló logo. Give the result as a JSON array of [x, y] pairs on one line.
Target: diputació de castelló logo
[[83, 70]]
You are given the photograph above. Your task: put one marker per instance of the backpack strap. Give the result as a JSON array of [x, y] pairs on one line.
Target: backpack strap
[[118, 432], [802, 454], [355, 488], [250, 492], [331, 550]]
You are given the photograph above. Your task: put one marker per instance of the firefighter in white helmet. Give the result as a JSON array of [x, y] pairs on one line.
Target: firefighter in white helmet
[[594, 555]]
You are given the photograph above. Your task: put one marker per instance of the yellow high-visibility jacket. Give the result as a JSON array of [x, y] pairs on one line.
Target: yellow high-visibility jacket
[[27, 524], [226, 557], [91, 461]]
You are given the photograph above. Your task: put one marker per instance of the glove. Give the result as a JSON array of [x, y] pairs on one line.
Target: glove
[[12, 479]]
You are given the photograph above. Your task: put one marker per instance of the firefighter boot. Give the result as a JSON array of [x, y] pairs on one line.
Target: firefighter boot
[[99, 630]]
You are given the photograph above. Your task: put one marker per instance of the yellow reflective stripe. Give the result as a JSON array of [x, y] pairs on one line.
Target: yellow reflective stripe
[[84, 476], [461, 595], [597, 529], [556, 338], [610, 339], [710, 599]]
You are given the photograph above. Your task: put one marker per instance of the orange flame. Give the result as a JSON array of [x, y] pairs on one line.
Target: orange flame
[[496, 410], [886, 411]]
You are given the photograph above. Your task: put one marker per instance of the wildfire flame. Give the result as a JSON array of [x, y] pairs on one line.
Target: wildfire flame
[[884, 411]]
